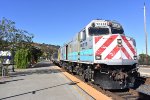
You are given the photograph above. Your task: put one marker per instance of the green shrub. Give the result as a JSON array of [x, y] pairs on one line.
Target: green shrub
[[22, 58]]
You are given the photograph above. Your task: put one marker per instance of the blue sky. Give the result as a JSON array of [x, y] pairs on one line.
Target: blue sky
[[57, 21]]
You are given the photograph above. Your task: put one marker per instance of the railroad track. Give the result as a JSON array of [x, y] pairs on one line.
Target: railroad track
[[147, 80], [126, 94], [129, 94]]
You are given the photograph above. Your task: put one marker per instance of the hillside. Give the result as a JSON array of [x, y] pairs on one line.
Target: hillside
[[47, 49]]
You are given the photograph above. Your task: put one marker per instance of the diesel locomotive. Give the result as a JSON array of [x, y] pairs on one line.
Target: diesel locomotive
[[103, 54]]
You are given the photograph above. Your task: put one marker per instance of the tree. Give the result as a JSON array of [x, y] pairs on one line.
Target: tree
[[10, 35], [17, 40], [142, 59], [48, 50], [7, 31], [35, 53], [22, 58]]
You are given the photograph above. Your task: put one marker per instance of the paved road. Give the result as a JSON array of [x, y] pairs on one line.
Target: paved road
[[144, 71], [40, 83]]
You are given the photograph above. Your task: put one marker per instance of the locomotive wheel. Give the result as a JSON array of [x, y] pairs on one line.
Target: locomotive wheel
[[74, 72], [80, 71], [86, 80], [70, 69], [87, 74], [85, 77]]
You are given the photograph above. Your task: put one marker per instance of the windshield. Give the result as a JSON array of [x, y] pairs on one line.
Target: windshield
[[94, 31], [117, 31]]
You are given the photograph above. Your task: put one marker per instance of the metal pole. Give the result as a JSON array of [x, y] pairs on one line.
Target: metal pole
[[13, 59], [145, 34]]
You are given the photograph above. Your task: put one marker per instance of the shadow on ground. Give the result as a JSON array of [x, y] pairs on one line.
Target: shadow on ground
[[3, 82], [38, 90], [38, 71], [42, 64]]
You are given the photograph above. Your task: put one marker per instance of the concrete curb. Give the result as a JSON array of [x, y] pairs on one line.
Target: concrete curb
[[145, 74]]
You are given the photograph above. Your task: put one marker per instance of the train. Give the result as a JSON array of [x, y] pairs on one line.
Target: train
[[102, 54]]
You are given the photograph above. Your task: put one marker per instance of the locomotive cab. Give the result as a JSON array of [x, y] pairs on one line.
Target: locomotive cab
[[110, 45]]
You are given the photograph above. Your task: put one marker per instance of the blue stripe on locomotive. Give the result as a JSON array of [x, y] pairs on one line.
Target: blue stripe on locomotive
[[73, 56], [85, 55]]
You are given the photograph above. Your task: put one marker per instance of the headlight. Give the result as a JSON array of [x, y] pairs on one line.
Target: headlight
[[98, 57], [119, 41], [93, 25], [135, 57]]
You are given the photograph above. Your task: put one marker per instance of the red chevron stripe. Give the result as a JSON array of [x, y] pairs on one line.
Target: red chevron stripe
[[113, 53], [97, 39], [128, 44], [126, 53], [106, 44]]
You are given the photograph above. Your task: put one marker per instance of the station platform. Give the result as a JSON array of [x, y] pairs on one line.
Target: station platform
[[144, 71], [46, 83], [145, 89]]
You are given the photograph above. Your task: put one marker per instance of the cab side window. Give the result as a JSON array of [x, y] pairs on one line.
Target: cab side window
[[83, 35]]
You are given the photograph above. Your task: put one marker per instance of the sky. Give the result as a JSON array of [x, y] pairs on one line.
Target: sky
[[57, 21]]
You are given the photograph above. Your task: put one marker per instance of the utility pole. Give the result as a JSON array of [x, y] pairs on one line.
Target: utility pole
[[146, 43]]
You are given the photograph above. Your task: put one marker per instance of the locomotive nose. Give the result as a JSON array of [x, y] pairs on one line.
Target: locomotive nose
[[115, 49]]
